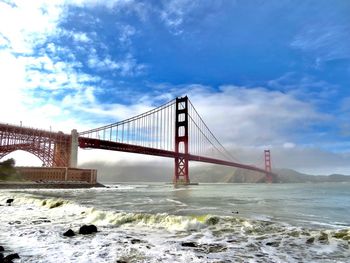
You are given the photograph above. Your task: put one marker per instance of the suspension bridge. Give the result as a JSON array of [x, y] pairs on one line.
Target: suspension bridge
[[173, 130]]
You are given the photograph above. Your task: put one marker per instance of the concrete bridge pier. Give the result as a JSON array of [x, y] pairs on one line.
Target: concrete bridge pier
[[73, 161]]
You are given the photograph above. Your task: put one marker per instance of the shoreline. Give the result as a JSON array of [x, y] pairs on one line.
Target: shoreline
[[48, 185]]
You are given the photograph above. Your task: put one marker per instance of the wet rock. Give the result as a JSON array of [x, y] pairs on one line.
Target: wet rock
[[252, 245], [311, 240], [135, 241], [1, 257], [210, 248], [215, 248], [121, 261], [294, 233], [56, 204], [272, 244], [305, 233], [69, 233], [15, 222], [342, 234], [37, 222], [9, 201], [11, 257], [323, 238], [212, 220], [188, 244], [85, 230], [2, 248]]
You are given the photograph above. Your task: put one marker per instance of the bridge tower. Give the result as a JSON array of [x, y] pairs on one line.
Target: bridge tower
[[267, 155], [181, 141], [73, 162]]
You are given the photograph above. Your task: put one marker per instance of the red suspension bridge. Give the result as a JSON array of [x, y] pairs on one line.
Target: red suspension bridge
[[174, 130]]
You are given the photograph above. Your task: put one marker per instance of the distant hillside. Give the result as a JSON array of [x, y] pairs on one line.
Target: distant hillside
[[285, 176], [291, 176], [160, 172], [245, 176]]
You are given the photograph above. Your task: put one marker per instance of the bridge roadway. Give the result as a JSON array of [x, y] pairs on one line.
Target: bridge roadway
[[85, 142], [25, 135]]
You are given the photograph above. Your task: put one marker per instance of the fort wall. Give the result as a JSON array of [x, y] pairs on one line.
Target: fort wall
[[58, 174]]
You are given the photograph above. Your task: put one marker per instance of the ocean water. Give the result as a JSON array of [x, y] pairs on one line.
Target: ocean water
[[199, 223]]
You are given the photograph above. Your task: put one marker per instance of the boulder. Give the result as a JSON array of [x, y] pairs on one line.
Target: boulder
[[15, 222], [135, 241], [213, 220], [69, 233], [213, 248], [323, 238], [341, 234], [272, 244], [2, 248], [9, 201], [85, 230], [11, 257], [188, 244], [310, 240]]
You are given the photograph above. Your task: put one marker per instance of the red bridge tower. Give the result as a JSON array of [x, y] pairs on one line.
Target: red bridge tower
[[181, 141], [268, 169]]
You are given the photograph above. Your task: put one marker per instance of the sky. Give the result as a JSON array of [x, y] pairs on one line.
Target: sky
[[263, 74]]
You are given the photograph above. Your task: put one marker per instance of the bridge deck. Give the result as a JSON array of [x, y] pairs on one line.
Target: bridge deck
[[122, 147]]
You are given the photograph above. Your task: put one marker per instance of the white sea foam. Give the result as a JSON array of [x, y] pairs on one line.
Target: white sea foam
[[34, 224], [176, 202]]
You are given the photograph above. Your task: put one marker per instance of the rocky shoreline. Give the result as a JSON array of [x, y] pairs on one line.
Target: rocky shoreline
[[83, 230], [47, 185], [9, 258]]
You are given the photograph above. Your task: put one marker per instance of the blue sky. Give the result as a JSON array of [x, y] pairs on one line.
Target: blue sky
[[263, 74]]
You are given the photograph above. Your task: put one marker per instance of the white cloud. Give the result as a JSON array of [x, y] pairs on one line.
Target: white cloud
[[31, 80], [174, 13], [28, 23], [81, 37], [304, 86], [107, 3], [254, 116], [310, 160], [85, 102], [325, 42], [288, 145], [127, 32], [125, 67]]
